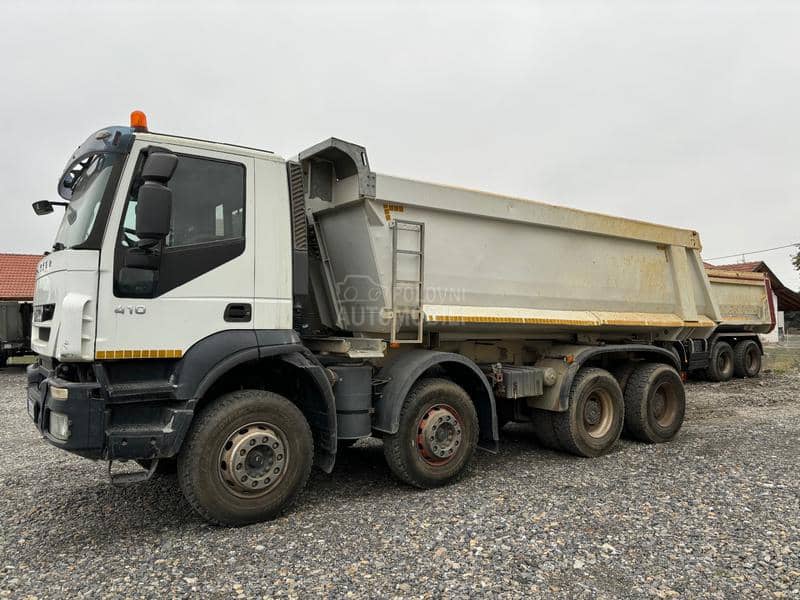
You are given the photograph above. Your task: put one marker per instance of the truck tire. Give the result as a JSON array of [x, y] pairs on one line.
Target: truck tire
[[655, 403], [246, 458], [437, 435], [622, 373], [593, 422], [720, 362], [543, 429], [3, 359], [746, 359]]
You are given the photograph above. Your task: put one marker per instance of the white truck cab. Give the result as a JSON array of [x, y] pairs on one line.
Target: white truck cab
[[104, 309]]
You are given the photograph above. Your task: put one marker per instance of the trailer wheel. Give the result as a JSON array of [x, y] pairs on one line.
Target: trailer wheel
[[655, 403], [246, 458], [593, 422], [720, 363], [746, 359], [437, 435]]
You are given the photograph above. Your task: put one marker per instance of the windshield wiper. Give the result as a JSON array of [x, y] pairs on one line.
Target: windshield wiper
[[58, 246]]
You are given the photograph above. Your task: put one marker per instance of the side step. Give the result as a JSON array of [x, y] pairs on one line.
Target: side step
[[129, 477]]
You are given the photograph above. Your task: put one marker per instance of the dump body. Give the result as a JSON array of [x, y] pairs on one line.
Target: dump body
[[491, 263], [744, 300]]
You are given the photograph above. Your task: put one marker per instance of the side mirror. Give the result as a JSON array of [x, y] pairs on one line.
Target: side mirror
[[42, 207], [154, 198], [153, 211], [159, 166], [45, 207]]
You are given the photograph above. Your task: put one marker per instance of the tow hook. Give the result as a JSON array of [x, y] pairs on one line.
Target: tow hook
[[125, 478]]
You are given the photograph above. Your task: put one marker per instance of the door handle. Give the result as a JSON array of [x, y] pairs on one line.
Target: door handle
[[238, 313]]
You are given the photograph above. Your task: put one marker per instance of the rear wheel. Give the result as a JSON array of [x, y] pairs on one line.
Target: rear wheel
[[246, 458], [720, 364], [655, 403], [437, 435], [746, 359], [593, 422]]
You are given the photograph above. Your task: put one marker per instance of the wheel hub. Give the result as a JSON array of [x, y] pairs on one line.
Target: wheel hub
[[253, 458], [592, 412], [659, 405], [439, 434]]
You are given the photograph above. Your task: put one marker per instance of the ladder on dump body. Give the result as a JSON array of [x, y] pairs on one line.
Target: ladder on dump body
[[407, 293]]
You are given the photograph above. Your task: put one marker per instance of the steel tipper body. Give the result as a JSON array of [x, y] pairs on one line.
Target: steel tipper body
[[469, 261], [242, 316], [747, 308]]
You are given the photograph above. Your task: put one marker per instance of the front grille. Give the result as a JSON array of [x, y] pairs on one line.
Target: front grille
[[43, 312]]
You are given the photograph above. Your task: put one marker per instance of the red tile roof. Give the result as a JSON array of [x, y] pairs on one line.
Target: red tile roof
[[747, 267], [18, 276]]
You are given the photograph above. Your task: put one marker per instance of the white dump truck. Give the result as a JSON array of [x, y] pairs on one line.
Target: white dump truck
[[243, 316], [746, 306]]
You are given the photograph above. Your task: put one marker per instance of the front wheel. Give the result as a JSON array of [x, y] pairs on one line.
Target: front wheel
[[437, 434], [246, 458]]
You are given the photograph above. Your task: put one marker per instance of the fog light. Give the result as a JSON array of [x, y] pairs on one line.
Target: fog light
[[59, 426], [57, 393]]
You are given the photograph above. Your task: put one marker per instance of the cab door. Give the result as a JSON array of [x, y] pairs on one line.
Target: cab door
[[203, 282]]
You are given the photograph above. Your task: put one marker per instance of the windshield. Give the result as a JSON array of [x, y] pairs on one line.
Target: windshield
[[91, 178]]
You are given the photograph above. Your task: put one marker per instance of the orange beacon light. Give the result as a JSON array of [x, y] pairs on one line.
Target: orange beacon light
[[139, 120]]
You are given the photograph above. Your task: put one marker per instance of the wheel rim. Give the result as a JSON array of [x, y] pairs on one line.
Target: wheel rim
[[664, 405], [598, 414], [440, 433], [253, 459]]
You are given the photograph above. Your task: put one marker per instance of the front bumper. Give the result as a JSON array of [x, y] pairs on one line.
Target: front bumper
[[100, 427], [84, 408]]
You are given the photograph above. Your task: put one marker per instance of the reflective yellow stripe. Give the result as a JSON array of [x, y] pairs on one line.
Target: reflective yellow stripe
[[127, 354], [576, 322]]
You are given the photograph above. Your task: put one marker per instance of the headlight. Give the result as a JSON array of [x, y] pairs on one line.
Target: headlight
[[59, 426], [57, 393]]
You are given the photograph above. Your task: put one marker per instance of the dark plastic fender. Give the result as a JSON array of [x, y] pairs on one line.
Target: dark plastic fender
[[323, 421], [212, 357], [408, 367], [662, 354]]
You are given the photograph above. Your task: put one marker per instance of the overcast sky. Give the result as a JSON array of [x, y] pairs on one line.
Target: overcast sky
[[686, 114]]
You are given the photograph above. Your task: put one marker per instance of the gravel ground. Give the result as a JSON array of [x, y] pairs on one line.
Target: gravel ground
[[715, 513]]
